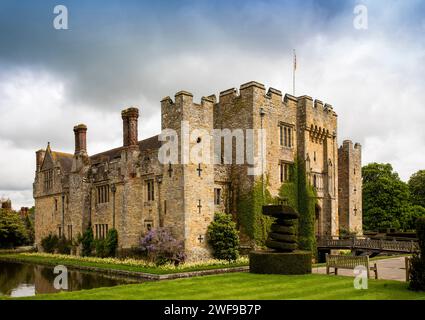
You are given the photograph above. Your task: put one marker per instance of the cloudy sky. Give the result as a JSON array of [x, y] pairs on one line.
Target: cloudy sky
[[121, 53]]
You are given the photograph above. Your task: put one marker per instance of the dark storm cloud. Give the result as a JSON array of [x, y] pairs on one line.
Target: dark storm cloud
[[119, 53]]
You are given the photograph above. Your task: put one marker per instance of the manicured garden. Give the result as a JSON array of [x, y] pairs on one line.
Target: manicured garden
[[248, 286], [133, 265]]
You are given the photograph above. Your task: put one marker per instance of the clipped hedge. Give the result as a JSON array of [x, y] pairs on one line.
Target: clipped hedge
[[266, 262]]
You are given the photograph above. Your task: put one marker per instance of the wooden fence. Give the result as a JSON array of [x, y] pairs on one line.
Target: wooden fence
[[368, 244]]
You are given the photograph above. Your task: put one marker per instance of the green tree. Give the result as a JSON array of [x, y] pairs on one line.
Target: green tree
[[386, 199], [409, 218], [12, 229], [417, 188]]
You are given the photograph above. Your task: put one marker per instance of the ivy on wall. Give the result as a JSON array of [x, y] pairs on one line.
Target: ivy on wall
[[250, 217], [307, 201], [297, 193]]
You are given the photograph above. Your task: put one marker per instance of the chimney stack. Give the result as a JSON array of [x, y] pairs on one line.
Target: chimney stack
[[80, 133], [129, 118], [39, 157]]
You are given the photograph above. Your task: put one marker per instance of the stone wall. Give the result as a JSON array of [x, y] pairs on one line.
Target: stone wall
[[350, 187]]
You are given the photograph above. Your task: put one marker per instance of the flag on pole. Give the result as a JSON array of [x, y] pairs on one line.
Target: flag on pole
[[293, 73]]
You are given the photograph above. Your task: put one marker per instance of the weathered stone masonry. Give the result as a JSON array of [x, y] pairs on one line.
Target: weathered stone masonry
[[127, 188]]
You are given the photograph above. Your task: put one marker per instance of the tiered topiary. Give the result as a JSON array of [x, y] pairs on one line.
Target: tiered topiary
[[282, 256], [282, 236]]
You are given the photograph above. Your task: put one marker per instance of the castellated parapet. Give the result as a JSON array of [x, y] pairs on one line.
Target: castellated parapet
[[130, 189]]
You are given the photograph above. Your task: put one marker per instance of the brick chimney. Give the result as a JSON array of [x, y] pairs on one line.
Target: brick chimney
[[129, 119], [39, 157], [80, 133]]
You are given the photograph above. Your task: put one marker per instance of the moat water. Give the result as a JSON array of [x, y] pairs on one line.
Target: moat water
[[24, 279]]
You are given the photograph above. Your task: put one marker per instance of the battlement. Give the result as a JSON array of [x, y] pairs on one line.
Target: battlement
[[347, 146], [309, 104], [187, 97], [249, 88]]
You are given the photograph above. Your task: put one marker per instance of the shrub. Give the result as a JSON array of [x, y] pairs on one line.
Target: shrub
[[49, 243], [417, 274], [162, 248], [223, 237], [111, 243], [63, 246], [99, 245], [87, 242]]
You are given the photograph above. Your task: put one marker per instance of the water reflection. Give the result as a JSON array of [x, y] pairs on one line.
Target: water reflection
[[23, 280]]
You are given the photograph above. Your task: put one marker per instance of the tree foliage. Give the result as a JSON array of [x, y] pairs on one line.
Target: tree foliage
[[13, 232], [417, 188], [223, 237], [386, 199]]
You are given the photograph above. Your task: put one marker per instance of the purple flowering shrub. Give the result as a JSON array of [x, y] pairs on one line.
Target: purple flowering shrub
[[161, 247]]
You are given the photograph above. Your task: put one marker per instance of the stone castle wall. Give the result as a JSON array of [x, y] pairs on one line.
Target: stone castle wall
[[184, 193]]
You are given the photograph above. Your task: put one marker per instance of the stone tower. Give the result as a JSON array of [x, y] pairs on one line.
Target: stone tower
[[318, 149], [187, 184], [350, 187]]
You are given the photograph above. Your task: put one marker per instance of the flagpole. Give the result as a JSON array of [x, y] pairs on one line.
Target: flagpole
[[293, 73]]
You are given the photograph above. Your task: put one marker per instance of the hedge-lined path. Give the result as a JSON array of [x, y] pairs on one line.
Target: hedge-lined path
[[388, 269]]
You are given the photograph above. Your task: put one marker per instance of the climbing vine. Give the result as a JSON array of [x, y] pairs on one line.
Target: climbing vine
[[252, 222], [299, 194]]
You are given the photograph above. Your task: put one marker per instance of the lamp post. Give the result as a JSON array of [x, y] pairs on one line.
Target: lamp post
[[114, 190], [262, 114]]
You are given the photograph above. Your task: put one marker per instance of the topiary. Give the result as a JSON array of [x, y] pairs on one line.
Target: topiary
[[223, 237], [417, 273], [87, 242], [111, 243]]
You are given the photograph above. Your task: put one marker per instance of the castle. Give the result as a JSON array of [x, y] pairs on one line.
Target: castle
[[130, 189]]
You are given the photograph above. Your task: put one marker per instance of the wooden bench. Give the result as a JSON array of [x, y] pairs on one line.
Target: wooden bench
[[349, 262]]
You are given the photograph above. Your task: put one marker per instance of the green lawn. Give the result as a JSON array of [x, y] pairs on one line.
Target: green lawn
[[248, 286]]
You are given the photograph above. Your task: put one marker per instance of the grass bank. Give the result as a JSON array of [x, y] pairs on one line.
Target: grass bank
[[129, 265], [247, 286]]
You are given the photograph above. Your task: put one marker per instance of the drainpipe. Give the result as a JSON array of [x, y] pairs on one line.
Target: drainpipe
[[63, 215], [114, 190], [262, 114]]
